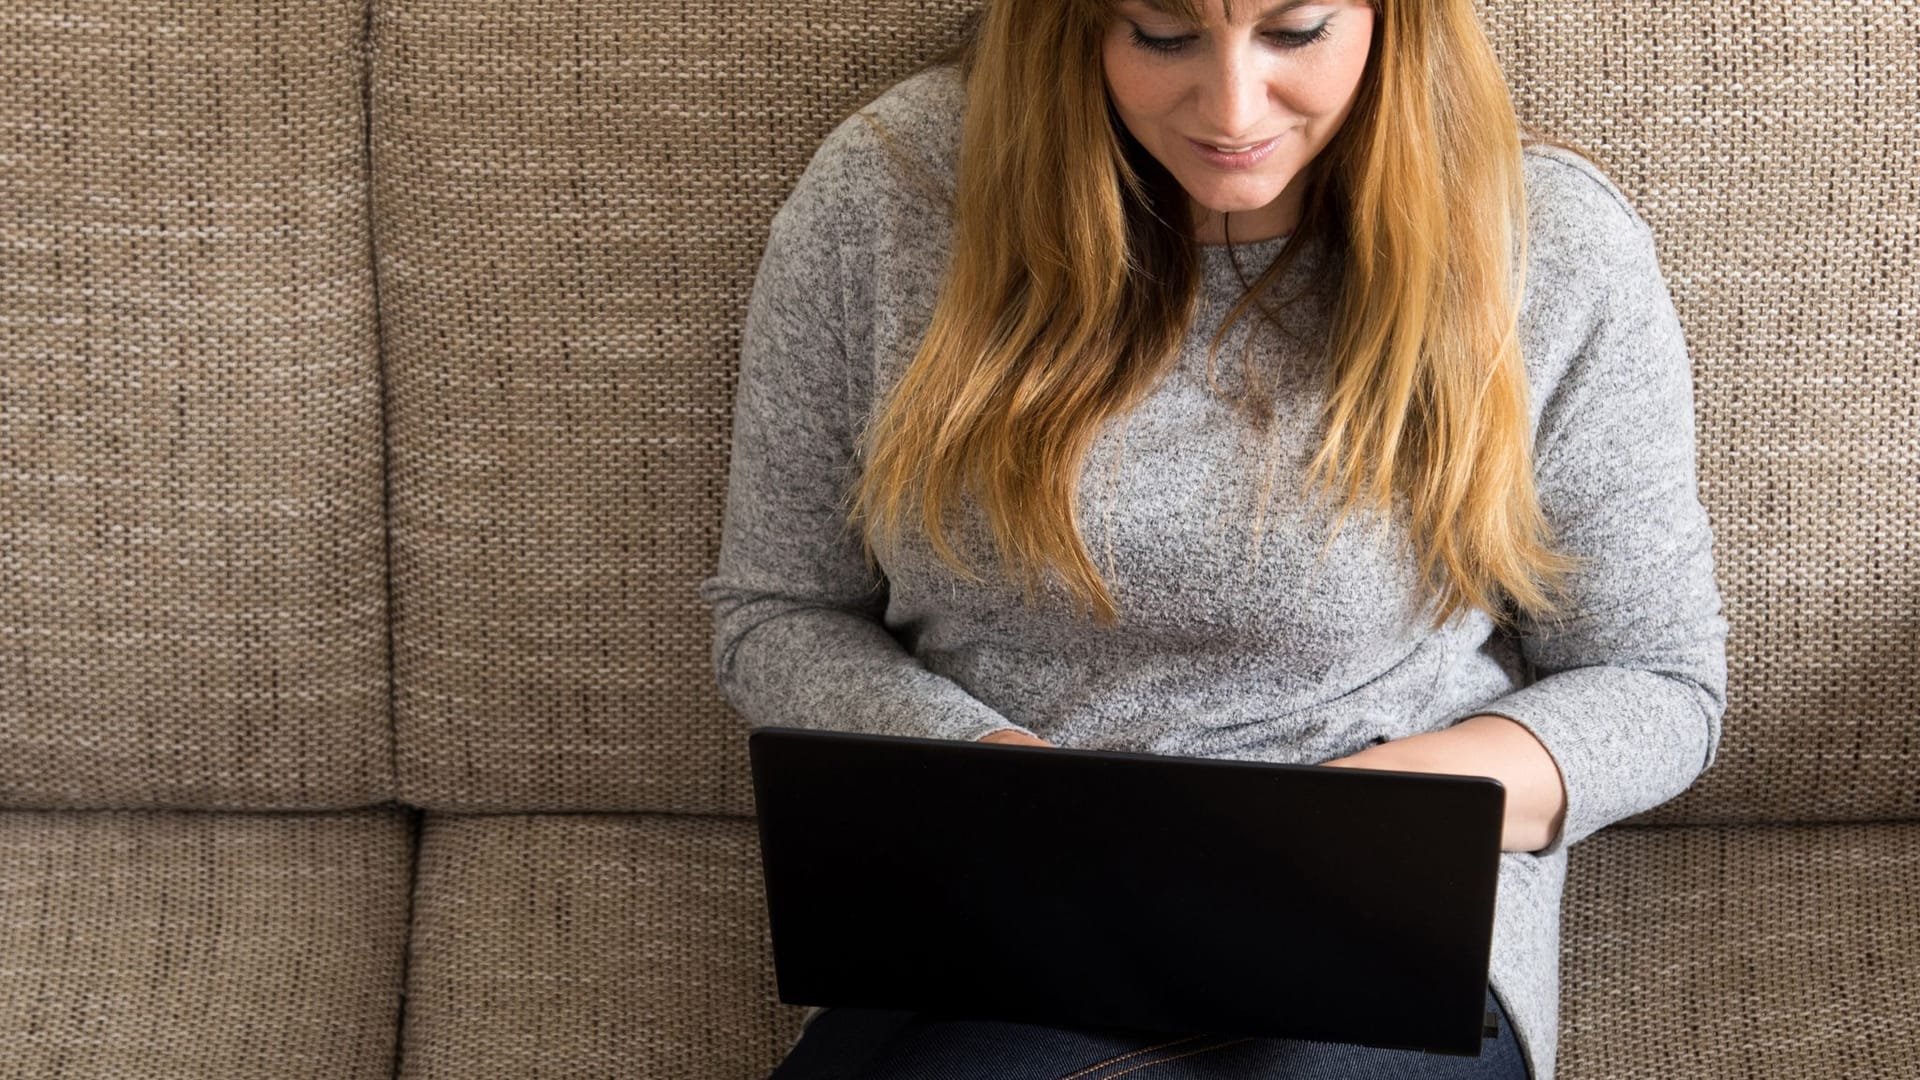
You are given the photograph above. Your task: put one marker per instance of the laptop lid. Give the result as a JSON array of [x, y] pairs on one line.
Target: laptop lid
[[1102, 888]]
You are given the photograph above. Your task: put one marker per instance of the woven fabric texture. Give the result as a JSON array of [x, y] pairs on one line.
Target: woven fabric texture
[[571, 198], [572, 201], [585, 945], [1778, 162], [556, 945], [1743, 951], [189, 946], [192, 548]]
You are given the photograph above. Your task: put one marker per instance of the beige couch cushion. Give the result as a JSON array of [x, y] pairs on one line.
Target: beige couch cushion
[[571, 200], [568, 228], [591, 945], [184, 946], [192, 544], [578, 945], [1775, 157], [1743, 951]]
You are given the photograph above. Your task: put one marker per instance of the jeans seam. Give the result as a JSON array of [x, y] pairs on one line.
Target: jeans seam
[[1131, 1053], [1176, 1057]]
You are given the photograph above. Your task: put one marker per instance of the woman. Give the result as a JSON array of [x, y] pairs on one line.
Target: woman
[[989, 480]]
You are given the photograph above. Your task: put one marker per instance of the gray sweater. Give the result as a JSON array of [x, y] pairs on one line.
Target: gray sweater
[[1279, 661]]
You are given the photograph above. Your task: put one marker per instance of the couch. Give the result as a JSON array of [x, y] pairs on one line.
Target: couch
[[365, 387]]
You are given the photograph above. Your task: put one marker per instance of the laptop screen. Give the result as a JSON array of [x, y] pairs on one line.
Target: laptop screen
[[1106, 888]]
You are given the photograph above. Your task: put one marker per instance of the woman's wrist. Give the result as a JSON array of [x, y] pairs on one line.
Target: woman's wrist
[[1485, 744]]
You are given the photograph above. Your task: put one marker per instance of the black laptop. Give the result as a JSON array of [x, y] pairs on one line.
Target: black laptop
[[1123, 890]]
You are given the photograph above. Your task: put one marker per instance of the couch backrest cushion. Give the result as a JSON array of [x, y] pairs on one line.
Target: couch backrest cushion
[[1776, 157], [570, 203], [571, 200], [192, 541]]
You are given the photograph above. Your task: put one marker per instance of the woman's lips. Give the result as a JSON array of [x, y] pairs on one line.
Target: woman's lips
[[1245, 160]]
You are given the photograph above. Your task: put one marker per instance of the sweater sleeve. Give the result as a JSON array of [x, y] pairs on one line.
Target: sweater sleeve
[[799, 637], [1631, 677]]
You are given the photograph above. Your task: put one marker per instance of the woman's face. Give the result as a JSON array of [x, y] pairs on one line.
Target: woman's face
[[1280, 79]]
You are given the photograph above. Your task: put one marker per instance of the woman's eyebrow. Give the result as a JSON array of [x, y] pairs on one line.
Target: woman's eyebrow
[[1277, 9]]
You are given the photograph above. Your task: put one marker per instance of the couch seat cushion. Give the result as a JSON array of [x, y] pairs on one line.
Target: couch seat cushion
[[585, 945], [1742, 951], [591, 945], [201, 946]]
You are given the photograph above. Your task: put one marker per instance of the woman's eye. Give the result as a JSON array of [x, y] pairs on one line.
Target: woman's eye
[[1300, 39], [1286, 39], [1157, 44]]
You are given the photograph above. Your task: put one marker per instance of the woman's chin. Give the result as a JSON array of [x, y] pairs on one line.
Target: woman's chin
[[1240, 204]]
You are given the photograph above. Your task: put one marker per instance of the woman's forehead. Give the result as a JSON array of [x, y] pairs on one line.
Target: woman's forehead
[[1192, 10], [1197, 11]]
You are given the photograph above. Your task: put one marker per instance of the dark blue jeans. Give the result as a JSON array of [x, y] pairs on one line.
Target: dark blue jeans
[[878, 1044]]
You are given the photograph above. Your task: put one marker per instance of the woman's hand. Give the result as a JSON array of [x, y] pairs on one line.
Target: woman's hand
[[1484, 745], [1008, 735], [1379, 757]]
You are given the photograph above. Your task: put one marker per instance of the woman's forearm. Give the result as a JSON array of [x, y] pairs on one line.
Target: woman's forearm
[[1485, 745]]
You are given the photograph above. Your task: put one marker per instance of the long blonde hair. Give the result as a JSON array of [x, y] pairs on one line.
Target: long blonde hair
[[1073, 278]]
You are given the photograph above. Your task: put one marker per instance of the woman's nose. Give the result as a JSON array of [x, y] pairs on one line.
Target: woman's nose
[[1233, 99]]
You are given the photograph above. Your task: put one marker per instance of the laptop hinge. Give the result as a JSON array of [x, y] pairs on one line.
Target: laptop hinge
[[1490, 1027]]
